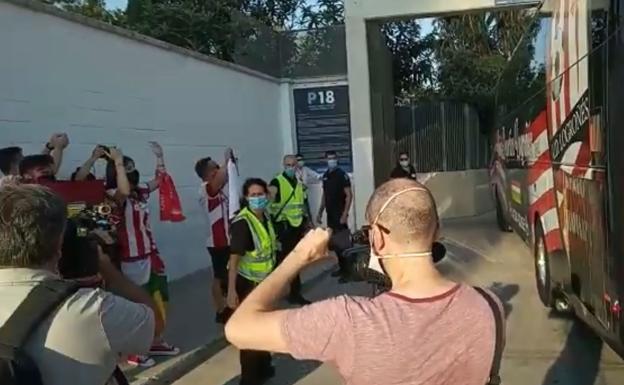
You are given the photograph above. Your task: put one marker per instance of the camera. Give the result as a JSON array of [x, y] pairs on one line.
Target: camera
[[79, 256], [358, 258]]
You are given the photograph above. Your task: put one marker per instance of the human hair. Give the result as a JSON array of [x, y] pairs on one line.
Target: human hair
[[32, 222], [111, 172], [330, 153], [410, 217], [8, 157], [247, 185], [31, 162], [201, 165], [403, 153]]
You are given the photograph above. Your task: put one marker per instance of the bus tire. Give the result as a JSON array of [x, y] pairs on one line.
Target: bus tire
[[543, 278], [501, 217]]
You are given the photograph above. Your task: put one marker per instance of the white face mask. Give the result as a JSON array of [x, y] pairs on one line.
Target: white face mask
[[374, 261], [404, 163]]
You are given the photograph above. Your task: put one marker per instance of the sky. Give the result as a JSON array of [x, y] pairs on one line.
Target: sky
[[115, 4]]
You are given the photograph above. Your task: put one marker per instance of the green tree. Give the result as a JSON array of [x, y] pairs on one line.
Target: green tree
[[472, 51], [412, 59]]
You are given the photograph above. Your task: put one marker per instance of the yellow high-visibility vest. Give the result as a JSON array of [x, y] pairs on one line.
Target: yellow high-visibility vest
[[256, 265], [291, 210]]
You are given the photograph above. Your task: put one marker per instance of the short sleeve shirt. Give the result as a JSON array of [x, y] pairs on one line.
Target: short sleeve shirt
[[334, 183], [391, 339], [83, 341]]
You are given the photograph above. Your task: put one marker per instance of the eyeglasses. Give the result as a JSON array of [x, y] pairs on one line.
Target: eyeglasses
[[403, 158]]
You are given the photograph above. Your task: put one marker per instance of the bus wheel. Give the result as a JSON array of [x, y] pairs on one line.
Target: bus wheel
[[542, 268], [501, 219]]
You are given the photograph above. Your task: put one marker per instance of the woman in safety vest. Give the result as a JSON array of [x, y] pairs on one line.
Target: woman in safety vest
[[253, 248]]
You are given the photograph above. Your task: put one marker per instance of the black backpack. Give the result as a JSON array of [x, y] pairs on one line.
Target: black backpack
[[16, 367]]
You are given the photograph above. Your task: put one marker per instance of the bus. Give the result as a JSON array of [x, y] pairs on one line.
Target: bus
[[557, 173]]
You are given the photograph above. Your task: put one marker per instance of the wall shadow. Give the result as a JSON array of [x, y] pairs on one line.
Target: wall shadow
[[579, 361]]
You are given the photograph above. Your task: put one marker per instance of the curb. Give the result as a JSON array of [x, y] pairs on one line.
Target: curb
[[186, 362]]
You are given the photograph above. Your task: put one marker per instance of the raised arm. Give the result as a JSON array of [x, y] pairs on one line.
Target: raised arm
[[86, 167], [221, 177], [55, 147], [123, 186], [160, 166]]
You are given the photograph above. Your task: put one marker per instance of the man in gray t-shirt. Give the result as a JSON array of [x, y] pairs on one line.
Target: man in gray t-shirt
[[82, 342], [425, 330]]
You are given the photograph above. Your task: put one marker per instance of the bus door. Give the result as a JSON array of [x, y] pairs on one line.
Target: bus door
[[577, 147]]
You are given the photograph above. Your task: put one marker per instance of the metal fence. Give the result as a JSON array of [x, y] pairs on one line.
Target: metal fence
[[441, 136], [293, 54]]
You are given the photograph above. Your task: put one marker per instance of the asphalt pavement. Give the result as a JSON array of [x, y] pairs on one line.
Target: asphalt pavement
[[541, 349]]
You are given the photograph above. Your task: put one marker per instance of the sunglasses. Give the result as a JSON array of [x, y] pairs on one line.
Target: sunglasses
[[403, 158]]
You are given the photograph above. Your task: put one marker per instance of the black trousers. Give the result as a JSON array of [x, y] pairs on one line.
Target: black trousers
[[339, 242], [289, 236], [254, 364]]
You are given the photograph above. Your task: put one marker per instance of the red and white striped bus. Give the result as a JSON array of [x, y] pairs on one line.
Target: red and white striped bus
[[558, 168]]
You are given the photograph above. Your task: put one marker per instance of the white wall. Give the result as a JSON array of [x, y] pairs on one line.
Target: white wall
[[101, 87]]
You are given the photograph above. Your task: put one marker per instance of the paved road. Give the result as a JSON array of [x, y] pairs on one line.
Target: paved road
[[541, 349]]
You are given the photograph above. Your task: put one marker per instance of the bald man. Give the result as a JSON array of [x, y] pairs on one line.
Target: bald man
[[426, 329]]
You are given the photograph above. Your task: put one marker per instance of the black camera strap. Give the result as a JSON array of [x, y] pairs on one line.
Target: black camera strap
[[494, 378], [42, 300]]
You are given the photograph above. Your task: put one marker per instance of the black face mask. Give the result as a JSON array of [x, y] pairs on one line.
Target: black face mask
[[133, 178]]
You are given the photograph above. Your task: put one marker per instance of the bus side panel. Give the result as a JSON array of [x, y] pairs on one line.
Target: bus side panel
[[615, 149]]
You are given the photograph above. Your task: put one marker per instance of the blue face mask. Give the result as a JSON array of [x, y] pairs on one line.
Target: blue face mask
[[258, 203], [289, 171], [332, 163]]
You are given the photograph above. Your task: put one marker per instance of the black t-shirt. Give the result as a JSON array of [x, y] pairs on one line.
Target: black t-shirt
[[275, 183], [241, 240], [334, 183], [400, 172]]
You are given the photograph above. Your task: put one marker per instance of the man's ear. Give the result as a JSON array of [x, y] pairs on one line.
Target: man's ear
[[378, 239]]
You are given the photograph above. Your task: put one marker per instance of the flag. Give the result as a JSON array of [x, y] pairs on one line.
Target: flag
[[170, 206], [233, 188]]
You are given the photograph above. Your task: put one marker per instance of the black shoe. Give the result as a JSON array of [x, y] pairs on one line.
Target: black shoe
[[298, 300], [343, 280], [336, 273]]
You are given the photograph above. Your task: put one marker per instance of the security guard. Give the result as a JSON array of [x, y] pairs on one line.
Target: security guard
[[253, 246], [289, 214]]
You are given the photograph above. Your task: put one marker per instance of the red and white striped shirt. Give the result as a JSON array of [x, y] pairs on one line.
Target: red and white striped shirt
[[135, 237], [216, 212]]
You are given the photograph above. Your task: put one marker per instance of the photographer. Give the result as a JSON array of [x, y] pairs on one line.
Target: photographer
[[426, 329], [79, 343]]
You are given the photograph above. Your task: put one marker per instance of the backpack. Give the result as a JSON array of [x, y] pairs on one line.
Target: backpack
[[494, 378], [16, 367]]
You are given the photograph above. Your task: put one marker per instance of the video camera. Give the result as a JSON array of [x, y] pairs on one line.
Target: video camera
[[358, 257], [87, 211]]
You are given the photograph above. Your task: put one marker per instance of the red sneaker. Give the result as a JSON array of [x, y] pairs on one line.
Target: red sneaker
[[141, 361], [163, 349]]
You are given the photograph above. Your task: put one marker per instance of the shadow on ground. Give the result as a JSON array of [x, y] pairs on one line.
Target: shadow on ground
[[505, 292], [190, 322], [287, 371], [579, 361]]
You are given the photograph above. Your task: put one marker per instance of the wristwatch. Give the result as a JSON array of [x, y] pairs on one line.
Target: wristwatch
[[49, 146]]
